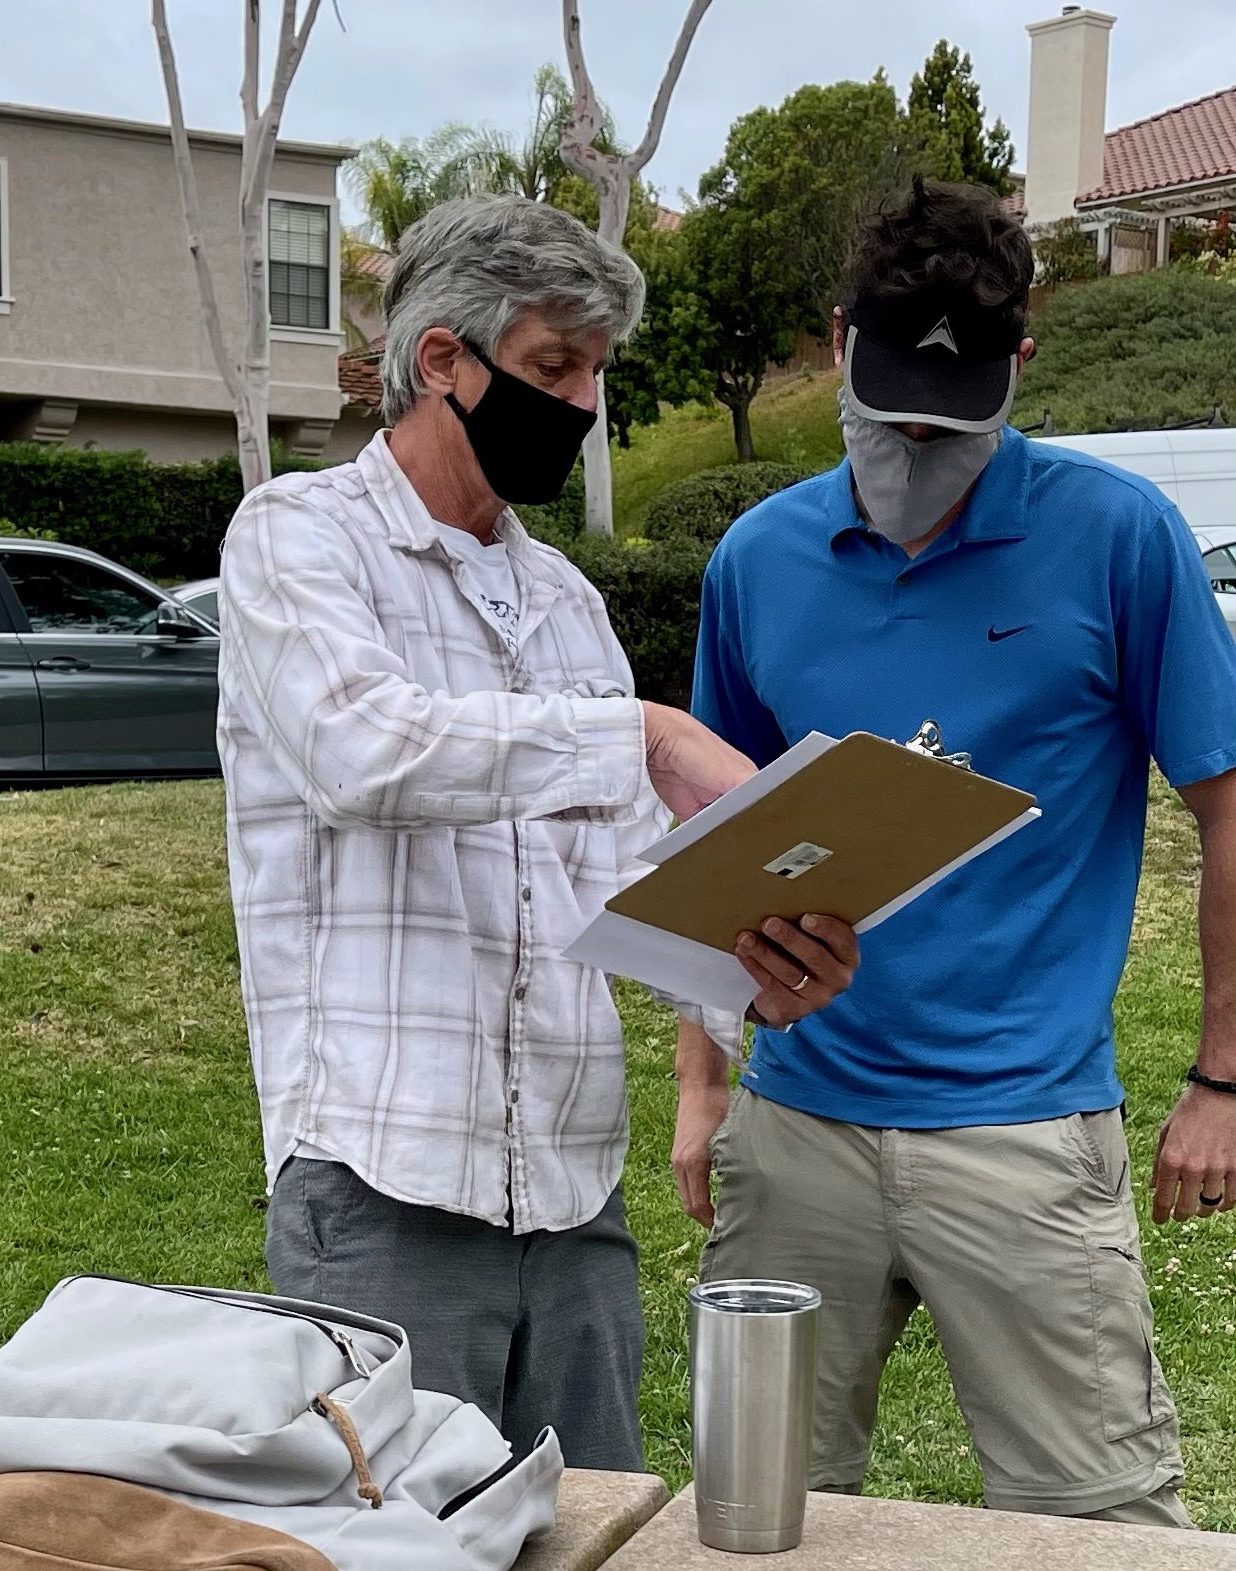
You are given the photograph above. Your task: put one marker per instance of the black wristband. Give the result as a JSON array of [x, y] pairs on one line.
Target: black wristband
[[1197, 1078]]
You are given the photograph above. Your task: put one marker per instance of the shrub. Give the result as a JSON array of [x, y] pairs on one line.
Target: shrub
[[653, 597], [562, 522], [164, 520], [704, 505], [1191, 240], [9, 528], [1066, 253], [1132, 353], [168, 521]]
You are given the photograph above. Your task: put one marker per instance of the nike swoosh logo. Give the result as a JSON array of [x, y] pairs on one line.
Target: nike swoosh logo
[[1011, 632]]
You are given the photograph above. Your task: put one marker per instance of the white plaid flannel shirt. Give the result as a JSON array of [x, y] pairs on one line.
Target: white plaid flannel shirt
[[418, 823]]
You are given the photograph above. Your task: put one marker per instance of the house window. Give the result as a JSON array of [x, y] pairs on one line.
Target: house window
[[6, 290], [299, 264]]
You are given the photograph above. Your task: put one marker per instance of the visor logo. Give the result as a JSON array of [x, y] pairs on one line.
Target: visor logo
[[941, 333]]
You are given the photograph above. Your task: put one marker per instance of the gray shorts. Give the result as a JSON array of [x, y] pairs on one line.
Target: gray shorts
[[1022, 1242], [543, 1328]]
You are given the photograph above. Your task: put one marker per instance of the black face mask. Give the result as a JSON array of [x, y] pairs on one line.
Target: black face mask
[[525, 440]]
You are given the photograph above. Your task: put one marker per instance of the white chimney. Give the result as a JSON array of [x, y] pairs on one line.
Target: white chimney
[[1068, 111]]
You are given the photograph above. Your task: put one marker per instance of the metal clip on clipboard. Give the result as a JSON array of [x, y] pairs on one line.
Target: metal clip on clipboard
[[927, 740]]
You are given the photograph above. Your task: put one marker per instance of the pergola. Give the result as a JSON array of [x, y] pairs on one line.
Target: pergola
[[1156, 210]]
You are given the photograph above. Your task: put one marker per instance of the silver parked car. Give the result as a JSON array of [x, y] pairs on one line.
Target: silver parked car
[[202, 595], [102, 675]]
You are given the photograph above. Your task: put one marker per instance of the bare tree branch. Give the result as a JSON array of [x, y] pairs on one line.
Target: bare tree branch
[[287, 30], [247, 378], [660, 107], [291, 48], [611, 174], [249, 86], [229, 370], [585, 112]]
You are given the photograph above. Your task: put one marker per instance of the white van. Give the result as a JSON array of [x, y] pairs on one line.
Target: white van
[[1197, 469]]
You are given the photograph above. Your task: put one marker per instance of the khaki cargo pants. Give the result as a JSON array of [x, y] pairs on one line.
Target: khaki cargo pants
[[1022, 1242]]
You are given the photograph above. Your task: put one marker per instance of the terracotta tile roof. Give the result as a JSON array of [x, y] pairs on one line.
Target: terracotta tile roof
[[667, 218], [360, 380], [374, 263], [1185, 146]]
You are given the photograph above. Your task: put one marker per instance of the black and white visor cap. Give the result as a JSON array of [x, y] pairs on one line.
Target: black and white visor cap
[[931, 358]]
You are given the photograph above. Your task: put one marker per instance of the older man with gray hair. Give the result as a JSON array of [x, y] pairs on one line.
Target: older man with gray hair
[[436, 770]]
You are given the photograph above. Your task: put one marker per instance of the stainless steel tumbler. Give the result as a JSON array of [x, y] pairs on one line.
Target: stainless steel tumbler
[[753, 1354]]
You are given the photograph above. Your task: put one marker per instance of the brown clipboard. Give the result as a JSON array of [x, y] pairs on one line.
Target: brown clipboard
[[885, 817]]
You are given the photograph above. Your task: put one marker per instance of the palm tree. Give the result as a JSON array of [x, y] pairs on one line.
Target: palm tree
[[397, 183], [363, 271], [533, 168]]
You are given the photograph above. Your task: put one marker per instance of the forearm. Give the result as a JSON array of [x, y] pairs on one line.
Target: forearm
[[699, 1062], [1217, 926]]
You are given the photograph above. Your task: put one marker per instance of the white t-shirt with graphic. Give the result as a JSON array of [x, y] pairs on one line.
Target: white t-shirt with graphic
[[493, 578]]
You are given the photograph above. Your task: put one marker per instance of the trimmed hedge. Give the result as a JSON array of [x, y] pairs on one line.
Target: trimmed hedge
[[559, 523], [164, 520], [652, 591], [704, 505], [168, 521]]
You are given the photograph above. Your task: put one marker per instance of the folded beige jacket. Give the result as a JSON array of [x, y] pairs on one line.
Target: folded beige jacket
[[82, 1522]]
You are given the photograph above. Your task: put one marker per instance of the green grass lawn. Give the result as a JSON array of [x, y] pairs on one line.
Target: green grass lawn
[[130, 1140], [793, 422]]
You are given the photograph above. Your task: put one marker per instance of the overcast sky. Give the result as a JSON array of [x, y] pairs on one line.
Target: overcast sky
[[406, 66]]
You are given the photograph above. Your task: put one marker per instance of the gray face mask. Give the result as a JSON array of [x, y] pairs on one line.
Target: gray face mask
[[907, 486]]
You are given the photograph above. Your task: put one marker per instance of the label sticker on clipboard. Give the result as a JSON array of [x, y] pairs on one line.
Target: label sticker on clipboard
[[798, 860]]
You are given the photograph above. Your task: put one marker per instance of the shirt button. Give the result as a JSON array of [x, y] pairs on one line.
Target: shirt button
[[521, 992], [525, 894], [903, 578]]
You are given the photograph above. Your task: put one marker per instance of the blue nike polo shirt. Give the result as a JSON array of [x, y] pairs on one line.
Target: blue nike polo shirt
[[1063, 632]]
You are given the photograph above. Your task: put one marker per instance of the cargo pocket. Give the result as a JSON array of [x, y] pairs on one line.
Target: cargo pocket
[[1132, 1389]]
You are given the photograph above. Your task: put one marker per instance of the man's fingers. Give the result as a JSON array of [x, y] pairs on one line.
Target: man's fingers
[[1158, 1152], [781, 968], [840, 937], [807, 957], [1213, 1187], [1166, 1182], [694, 1188]]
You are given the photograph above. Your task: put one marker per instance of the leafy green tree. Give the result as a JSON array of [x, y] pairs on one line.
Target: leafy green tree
[[803, 171], [750, 312], [945, 130], [768, 240], [664, 363]]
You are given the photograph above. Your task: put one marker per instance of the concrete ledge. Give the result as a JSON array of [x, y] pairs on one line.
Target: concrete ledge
[[845, 1533], [597, 1514]]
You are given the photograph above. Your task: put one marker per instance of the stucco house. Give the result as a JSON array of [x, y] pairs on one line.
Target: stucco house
[[101, 343], [1128, 186]]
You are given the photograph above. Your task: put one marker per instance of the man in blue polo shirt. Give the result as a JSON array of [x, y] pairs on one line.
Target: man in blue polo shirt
[[949, 1131]]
